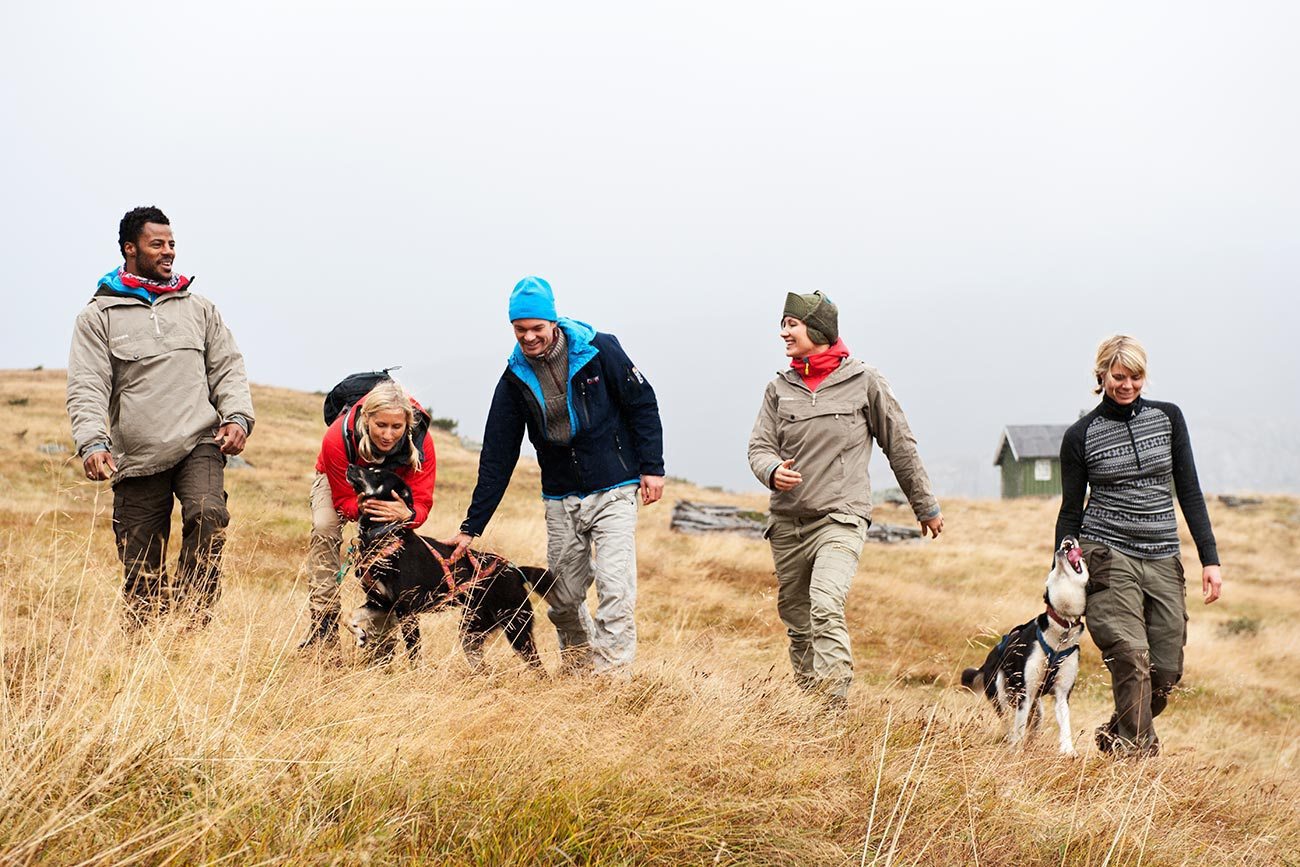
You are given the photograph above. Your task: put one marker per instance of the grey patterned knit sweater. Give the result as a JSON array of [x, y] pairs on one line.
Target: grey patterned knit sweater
[[1129, 460], [552, 371]]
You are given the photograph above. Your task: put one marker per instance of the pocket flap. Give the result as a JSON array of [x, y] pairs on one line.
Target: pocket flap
[[150, 347]]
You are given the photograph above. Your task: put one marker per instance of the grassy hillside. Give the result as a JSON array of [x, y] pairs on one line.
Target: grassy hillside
[[223, 745]]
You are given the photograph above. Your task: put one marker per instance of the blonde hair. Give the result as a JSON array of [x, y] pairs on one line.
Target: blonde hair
[[1123, 350], [387, 397]]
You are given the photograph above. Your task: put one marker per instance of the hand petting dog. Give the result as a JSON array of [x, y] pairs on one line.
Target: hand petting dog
[[392, 511]]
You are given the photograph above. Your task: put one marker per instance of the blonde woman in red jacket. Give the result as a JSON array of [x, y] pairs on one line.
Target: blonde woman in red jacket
[[386, 428]]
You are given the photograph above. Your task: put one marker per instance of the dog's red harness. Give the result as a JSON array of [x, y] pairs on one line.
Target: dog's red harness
[[449, 573], [484, 567]]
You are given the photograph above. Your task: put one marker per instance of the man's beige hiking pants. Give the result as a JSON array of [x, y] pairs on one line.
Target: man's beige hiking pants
[[575, 526]]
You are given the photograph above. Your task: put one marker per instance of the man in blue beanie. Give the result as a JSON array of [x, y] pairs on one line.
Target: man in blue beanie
[[594, 421]]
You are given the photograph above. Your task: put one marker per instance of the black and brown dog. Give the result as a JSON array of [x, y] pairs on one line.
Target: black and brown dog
[[405, 575]]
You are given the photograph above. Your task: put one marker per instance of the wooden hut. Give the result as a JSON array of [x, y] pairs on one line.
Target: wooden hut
[[1030, 458]]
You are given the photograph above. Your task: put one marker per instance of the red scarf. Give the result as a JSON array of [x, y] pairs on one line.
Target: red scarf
[[815, 368], [133, 281]]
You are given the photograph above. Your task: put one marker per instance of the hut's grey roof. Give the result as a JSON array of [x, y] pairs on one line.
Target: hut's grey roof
[[1031, 441]]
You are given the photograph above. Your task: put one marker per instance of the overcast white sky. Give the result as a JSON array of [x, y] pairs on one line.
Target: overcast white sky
[[986, 189]]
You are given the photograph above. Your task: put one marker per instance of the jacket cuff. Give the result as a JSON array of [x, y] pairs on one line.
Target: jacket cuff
[[89, 450], [933, 512], [771, 473], [469, 530], [242, 421]]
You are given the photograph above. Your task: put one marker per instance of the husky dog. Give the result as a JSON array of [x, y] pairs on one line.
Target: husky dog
[[1040, 656]]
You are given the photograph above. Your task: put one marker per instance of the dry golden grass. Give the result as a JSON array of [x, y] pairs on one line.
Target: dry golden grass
[[224, 746]]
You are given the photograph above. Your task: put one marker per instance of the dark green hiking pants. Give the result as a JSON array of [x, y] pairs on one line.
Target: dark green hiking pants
[[1137, 615], [142, 516]]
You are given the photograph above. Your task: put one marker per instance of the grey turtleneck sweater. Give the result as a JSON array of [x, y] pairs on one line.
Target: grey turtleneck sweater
[[552, 370]]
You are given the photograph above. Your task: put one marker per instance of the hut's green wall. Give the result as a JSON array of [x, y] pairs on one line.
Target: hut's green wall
[[1018, 478]]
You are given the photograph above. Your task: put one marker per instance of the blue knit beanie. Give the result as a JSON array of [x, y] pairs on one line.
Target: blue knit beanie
[[532, 299]]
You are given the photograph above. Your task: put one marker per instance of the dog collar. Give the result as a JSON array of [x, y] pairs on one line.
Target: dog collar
[[1061, 621]]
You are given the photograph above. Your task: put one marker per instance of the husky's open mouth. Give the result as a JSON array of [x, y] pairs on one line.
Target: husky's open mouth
[[1073, 554]]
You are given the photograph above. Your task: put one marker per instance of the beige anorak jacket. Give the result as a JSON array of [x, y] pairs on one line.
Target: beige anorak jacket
[[829, 433], [151, 382]]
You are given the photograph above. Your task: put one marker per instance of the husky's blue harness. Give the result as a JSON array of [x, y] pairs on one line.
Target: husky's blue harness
[[1054, 657]]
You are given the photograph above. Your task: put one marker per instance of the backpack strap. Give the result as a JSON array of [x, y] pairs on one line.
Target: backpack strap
[[349, 432]]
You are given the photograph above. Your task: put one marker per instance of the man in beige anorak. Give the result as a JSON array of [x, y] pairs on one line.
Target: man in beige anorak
[[158, 398], [811, 446]]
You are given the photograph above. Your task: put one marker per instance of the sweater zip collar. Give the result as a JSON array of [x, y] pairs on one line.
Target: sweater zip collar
[[1118, 412]]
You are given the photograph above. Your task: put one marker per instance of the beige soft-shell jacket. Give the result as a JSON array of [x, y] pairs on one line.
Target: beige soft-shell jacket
[[829, 434], [153, 382]]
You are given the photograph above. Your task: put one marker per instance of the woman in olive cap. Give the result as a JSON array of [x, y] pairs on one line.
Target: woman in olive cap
[[810, 446]]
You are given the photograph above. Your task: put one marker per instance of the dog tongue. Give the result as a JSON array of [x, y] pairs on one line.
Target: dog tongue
[[1074, 555]]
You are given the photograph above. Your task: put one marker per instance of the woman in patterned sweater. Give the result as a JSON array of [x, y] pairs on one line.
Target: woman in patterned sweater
[[1130, 455]]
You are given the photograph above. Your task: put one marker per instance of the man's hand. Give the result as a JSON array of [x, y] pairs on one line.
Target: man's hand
[[652, 488], [786, 477], [388, 511], [934, 525], [460, 544], [231, 438], [1211, 583], [100, 466]]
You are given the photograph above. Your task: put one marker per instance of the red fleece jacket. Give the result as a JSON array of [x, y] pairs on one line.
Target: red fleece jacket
[[815, 368], [333, 462]]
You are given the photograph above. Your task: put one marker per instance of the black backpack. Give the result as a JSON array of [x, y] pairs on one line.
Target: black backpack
[[350, 390]]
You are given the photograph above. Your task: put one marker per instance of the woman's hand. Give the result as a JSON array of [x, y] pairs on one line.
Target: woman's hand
[[785, 477], [388, 511], [1211, 583], [934, 525]]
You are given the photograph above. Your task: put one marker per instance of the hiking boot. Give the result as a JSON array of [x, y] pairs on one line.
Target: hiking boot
[[1106, 741], [322, 634], [1110, 743], [575, 660]]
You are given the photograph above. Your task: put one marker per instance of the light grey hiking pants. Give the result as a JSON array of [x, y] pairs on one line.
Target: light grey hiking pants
[[323, 559], [574, 525], [816, 559]]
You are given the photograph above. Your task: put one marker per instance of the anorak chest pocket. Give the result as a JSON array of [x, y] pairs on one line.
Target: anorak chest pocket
[[139, 333], [804, 423]]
